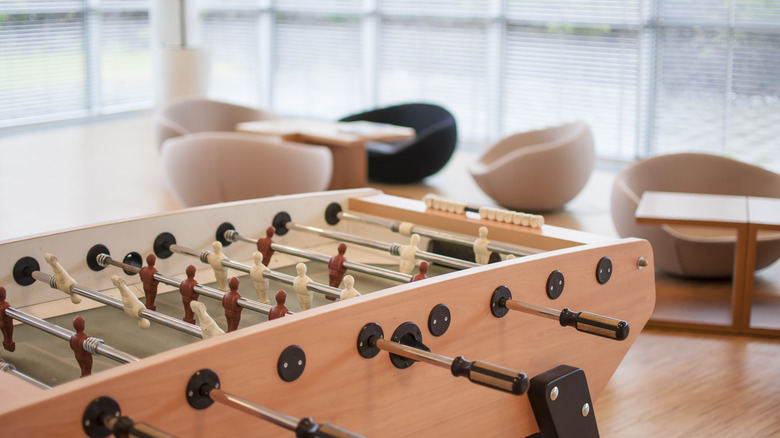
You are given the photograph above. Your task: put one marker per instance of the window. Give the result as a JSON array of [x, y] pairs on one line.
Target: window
[[650, 77], [65, 59]]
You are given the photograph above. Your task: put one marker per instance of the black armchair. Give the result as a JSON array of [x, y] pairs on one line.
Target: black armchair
[[412, 160]]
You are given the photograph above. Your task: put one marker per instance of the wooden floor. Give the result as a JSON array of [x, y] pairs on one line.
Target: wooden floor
[[669, 385]]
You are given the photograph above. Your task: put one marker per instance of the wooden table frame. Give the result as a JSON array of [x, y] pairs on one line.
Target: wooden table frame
[[746, 215]]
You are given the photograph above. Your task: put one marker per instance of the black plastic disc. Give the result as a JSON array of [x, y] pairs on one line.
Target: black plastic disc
[[162, 245], [90, 421], [291, 363], [133, 259], [497, 300], [604, 270], [93, 254], [224, 226], [23, 270], [439, 320], [280, 223], [332, 213], [370, 330], [199, 386], [408, 334], [555, 284]]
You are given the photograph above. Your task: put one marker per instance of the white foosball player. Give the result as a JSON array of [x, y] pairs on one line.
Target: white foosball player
[[64, 281], [349, 290], [208, 326], [301, 286], [132, 305], [215, 259], [261, 283]]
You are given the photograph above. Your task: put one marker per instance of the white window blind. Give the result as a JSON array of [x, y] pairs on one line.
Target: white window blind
[[443, 61], [125, 70], [232, 33], [717, 88], [318, 68], [65, 59]]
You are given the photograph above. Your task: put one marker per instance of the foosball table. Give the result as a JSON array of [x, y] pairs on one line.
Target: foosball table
[[341, 313]]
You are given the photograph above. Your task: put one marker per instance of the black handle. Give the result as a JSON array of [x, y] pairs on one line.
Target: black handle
[[493, 376], [308, 428], [595, 324]]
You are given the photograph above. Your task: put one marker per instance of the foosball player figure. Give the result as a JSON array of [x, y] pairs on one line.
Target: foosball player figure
[[220, 271], [278, 310], [83, 357], [349, 290], [408, 253], [422, 274], [188, 294], [336, 269], [230, 303], [264, 245], [6, 323], [150, 283], [260, 282], [301, 286]]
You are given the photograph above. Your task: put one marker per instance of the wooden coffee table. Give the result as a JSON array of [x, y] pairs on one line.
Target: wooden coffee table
[[346, 141]]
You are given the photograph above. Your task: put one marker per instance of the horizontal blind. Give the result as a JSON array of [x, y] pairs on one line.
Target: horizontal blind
[[232, 38], [754, 99], [125, 56], [314, 6], [576, 11], [318, 68], [557, 72], [717, 89], [442, 61], [61, 59], [436, 8], [42, 75]]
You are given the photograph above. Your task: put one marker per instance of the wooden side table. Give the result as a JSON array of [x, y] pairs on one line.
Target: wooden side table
[[710, 211], [763, 214], [346, 140]]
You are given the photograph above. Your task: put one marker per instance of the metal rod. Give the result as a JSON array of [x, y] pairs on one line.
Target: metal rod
[[412, 353], [311, 255], [314, 286], [10, 369], [267, 273], [100, 297], [98, 346], [278, 418], [440, 235], [207, 291], [140, 430], [533, 309], [392, 248], [585, 322]]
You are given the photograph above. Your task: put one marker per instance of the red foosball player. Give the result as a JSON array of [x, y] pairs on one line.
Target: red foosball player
[[423, 274], [83, 357], [264, 245], [6, 323], [150, 283], [278, 310], [336, 269], [188, 294], [230, 303]]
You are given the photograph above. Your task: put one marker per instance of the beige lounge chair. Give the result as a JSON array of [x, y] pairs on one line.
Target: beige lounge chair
[[210, 167], [537, 170], [690, 251], [187, 115]]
